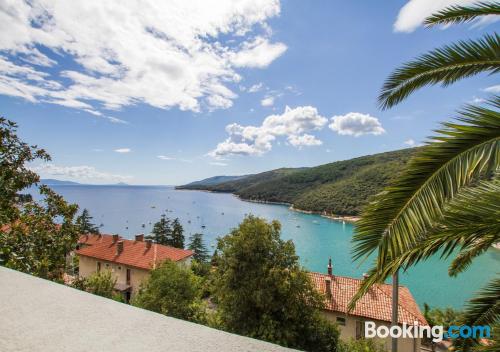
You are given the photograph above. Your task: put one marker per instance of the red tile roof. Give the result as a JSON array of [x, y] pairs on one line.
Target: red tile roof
[[135, 253], [376, 304]]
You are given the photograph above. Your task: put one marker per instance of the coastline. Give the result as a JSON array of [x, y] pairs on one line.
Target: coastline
[[345, 218]]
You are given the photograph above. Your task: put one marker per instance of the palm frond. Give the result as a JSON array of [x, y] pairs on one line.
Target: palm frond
[[463, 14], [405, 211], [444, 66], [484, 308], [470, 223]]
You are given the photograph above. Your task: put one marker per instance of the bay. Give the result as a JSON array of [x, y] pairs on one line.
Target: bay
[[129, 210]]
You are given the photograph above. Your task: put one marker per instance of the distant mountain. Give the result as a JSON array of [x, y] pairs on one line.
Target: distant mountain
[[54, 182], [212, 181], [340, 188]]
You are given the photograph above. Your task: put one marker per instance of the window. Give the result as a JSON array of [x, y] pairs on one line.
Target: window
[[360, 329], [128, 276], [341, 321], [98, 266]]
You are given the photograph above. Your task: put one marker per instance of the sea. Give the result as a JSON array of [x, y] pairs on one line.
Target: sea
[[131, 210]]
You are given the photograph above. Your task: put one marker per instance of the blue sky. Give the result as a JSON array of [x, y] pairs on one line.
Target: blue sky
[[180, 92]]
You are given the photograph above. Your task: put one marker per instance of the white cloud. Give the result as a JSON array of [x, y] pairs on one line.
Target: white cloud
[[257, 140], [123, 150], [477, 100], [493, 89], [267, 101], [410, 142], [164, 157], [259, 53], [256, 88], [78, 173], [412, 15], [356, 124], [305, 140], [178, 53], [217, 163]]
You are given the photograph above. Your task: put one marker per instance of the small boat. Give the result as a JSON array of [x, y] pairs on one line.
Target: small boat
[[153, 207], [316, 222], [203, 226], [298, 226], [189, 221], [222, 213]]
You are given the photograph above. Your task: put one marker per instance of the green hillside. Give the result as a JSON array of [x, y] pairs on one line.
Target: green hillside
[[341, 187]]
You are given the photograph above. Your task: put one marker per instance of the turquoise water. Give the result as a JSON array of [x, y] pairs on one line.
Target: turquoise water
[[315, 238]]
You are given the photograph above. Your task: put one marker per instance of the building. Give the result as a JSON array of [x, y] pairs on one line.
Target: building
[[40, 315], [130, 261], [375, 306]]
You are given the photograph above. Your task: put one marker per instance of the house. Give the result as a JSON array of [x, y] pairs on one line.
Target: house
[[130, 261], [375, 306]]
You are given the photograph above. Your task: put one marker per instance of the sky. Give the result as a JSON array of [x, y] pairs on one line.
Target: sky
[[169, 92]]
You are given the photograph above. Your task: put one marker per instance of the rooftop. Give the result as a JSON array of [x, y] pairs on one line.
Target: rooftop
[[40, 315], [376, 304], [136, 253]]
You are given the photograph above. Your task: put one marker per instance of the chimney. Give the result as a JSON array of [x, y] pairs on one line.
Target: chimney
[[330, 268], [148, 244], [115, 238], [139, 238], [328, 286], [119, 247]]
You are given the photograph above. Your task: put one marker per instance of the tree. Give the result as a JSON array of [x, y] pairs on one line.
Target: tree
[[198, 247], [443, 317], [41, 237], [15, 176], [85, 225], [449, 196], [101, 283], [162, 231], [361, 345], [177, 234], [35, 237], [262, 291], [172, 290]]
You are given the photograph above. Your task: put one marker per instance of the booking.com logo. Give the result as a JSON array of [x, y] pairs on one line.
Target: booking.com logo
[[437, 333]]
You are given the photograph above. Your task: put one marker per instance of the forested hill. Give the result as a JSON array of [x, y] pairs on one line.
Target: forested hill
[[340, 188]]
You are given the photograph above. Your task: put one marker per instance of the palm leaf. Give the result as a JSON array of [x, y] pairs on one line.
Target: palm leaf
[[471, 222], [406, 210], [444, 66], [400, 218], [463, 14], [483, 309]]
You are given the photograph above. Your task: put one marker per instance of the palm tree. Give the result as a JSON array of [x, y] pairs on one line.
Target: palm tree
[[449, 197]]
